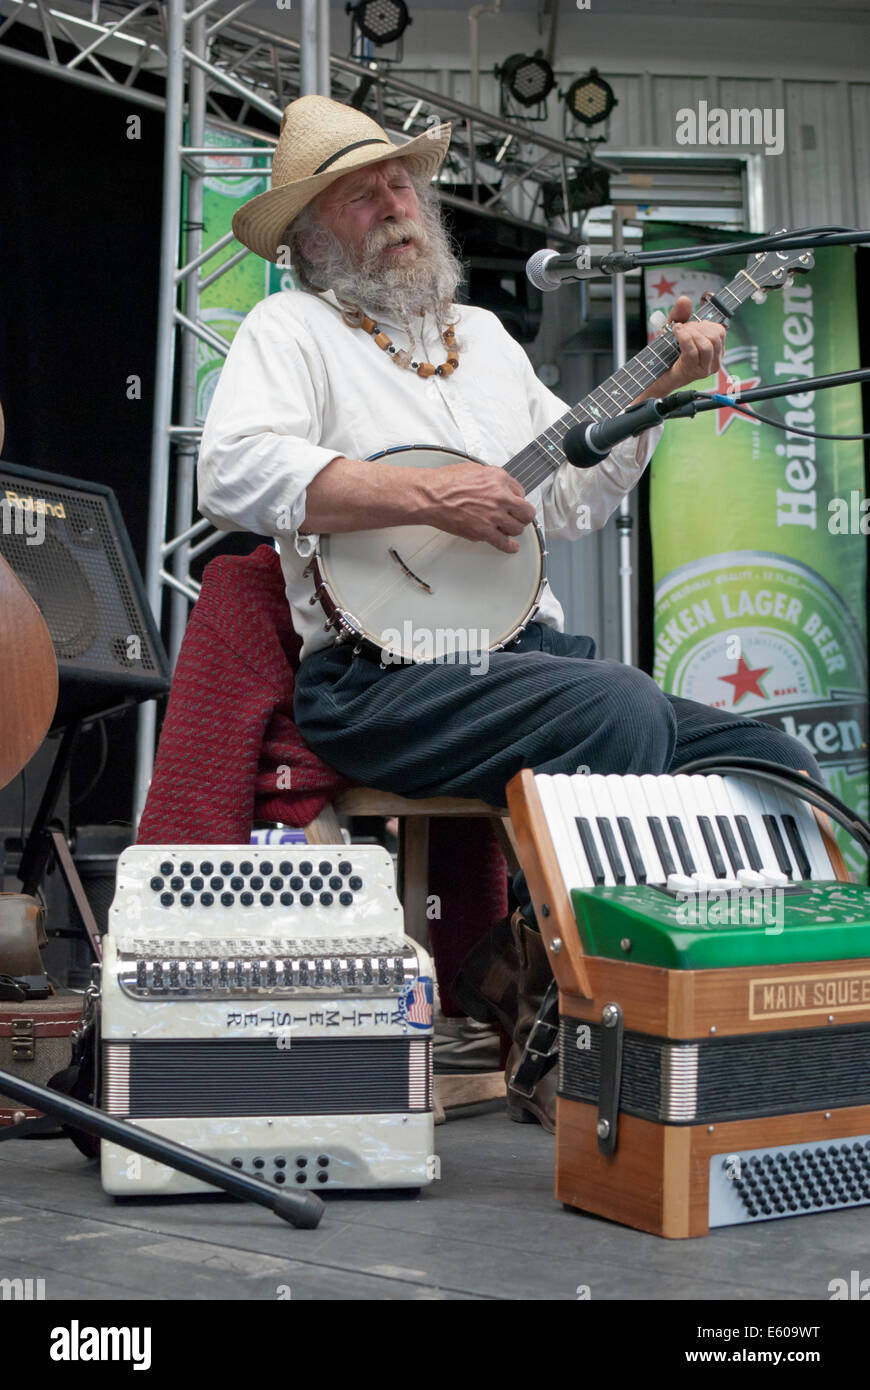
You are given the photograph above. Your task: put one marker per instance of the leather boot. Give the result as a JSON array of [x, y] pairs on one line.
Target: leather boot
[[534, 978], [486, 986]]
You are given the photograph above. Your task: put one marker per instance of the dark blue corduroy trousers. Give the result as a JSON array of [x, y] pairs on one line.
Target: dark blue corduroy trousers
[[458, 730]]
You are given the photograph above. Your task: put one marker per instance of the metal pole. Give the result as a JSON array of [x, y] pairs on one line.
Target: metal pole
[[308, 50], [324, 86], [185, 455], [624, 521], [164, 371]]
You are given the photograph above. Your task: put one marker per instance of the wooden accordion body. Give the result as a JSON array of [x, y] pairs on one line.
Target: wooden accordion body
[[709, 1073]]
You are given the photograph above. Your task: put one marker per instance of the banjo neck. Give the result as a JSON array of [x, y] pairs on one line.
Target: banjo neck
[[544, 455]]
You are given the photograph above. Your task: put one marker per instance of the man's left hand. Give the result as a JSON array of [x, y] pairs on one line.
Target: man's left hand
[[701, 347]]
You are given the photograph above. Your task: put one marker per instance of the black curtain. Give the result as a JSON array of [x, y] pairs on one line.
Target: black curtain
[[79, 262]]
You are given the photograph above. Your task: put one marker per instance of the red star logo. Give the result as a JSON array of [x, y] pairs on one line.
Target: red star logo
[[728, 385], [664, 287], [746, 681]]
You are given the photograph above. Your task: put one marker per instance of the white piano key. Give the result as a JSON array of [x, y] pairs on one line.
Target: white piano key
[[747, 802], [656, 806], [810, 833], [584, 802], [627, 796], [558, 812], [681, 883], [695, 800], [606, 809]]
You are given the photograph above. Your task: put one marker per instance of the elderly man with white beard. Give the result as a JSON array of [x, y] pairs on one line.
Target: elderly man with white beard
[[374, 352]]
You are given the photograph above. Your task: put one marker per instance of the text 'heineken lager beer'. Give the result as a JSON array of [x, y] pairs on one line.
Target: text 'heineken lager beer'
[[759, 580]]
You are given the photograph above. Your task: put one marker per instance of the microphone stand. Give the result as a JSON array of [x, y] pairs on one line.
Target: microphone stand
[[682, 405]]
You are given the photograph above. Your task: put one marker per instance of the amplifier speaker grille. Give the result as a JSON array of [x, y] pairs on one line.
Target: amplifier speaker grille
[[211, 1078]]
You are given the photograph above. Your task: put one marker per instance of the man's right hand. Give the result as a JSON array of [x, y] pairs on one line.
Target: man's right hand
[[473, 500], [477, 502]]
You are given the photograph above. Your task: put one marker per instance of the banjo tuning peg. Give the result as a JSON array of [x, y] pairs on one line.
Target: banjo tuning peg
[[759, 296]]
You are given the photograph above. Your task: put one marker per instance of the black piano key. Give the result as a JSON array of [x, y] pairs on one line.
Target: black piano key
[[749, 844], [731, 845], [611, 849], [660, 840], [588, 841], [629, 839], [776, 840], [712, 844], [805, 868], [682, 844]]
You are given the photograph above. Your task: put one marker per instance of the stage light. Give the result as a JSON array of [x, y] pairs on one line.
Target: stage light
[[380, 21], [529, 80], [590, 99]]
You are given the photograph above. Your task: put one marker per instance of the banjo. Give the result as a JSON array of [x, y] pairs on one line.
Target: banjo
[[414, 593]]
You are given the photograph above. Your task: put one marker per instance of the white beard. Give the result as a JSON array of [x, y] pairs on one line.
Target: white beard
[[424, 283]]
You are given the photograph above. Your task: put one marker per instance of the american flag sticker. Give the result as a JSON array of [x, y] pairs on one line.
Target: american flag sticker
[[415, 1003]]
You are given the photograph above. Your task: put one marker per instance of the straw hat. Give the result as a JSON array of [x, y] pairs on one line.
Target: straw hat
[[319, 141]]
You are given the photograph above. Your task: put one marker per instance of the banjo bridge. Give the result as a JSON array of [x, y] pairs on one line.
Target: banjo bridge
[[394, 555]]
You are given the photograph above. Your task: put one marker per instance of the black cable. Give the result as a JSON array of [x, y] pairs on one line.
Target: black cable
[[790, 780], [780, 425], [104, 756], [799, 239]]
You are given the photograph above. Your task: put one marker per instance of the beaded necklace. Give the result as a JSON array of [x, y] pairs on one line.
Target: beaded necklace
[[401, 356]]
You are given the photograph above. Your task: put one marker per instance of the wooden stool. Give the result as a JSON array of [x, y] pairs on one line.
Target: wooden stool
[[452, 1090]]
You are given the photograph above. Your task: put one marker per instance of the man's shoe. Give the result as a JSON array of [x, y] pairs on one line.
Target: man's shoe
[[535, 976]]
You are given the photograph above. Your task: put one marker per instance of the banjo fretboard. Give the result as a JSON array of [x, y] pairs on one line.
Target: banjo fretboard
[[537, 460]]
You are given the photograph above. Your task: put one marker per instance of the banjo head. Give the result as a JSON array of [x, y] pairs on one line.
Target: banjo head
[[414, 593]]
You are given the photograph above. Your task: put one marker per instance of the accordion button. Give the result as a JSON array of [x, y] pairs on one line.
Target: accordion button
[[345, 899], [297, 882], [187, 899], [315, 882], [266, 867], [166, 868], [306, 899], [246, 899], [227, 868], [286, 899], [228, 899], [325, 867], [256, 882], [306, 867], [345, 867], [167, 899], [206, 867], [326, 899], [285, 867], [355, 882], [267, 899], [176, 883], [335, 882], [207, 899], [186, 868], [237, 883], [157, 884]]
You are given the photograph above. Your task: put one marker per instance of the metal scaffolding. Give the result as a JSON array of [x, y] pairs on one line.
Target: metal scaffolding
[[213, 66]]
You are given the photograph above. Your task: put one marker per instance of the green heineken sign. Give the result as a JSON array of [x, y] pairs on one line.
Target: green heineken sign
[[232, 181], [759, 551]]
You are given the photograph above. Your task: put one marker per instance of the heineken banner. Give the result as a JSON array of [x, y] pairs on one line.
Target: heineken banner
[[758, 550], [225, 302]]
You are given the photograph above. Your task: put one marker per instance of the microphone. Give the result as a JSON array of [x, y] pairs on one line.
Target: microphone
[[588, 443], [548, 269]]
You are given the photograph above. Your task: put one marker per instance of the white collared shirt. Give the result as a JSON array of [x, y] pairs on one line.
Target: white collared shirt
[[300, 388]]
